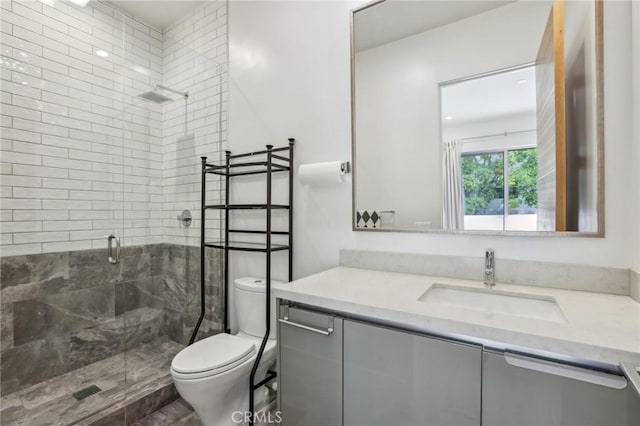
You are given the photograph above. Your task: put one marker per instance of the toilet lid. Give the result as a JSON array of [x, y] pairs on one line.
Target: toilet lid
[[254, 285], [212, 353]]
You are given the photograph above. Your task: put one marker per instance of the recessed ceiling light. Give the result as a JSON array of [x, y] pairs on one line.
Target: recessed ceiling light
[[522, 81], [102, 53], [448, 117], [81, 3]]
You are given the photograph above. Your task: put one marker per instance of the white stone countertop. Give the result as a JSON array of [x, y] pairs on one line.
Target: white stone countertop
[[599, 327]]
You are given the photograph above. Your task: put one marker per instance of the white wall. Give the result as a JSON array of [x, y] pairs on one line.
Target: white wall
[[516, 124], [398, 103], [289, 76]]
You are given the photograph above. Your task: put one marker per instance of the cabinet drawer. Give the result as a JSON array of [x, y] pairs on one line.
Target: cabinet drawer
[[524, 391], [393, 377], [310, 369]]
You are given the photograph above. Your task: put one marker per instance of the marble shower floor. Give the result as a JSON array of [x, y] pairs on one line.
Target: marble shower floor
[[51, 402]]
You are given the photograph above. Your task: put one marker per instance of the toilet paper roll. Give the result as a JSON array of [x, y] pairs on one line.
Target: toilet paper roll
[[322, 173]]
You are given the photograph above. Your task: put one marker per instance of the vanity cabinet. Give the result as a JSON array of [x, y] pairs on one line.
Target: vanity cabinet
[[310, 367], [335, 371], [524, 391], [394, 377]]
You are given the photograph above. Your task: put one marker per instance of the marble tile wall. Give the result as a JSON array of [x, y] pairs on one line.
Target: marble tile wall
[[61, 311], [181, 291]]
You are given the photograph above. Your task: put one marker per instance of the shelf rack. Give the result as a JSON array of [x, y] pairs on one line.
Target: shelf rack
[[235, 165]]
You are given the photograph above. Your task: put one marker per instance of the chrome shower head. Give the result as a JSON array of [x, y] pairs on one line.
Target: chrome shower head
[[155, 97]]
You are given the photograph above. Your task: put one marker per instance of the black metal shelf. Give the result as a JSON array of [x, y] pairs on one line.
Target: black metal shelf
[[246, 246], [246, 207], [212, 167], [248, 172], [266, 151], [230, 169], [256, 231], [257, 167], [257, 172]]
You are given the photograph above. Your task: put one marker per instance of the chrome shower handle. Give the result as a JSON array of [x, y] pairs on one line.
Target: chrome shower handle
[[113, 259]]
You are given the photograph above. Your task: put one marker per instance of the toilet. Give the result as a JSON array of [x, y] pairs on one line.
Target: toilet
[[213, 374]]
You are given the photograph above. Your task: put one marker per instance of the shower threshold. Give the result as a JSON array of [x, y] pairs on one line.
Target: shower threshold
[[144, 386]]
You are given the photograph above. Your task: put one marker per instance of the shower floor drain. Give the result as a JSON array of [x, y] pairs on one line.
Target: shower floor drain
[[86, 392]]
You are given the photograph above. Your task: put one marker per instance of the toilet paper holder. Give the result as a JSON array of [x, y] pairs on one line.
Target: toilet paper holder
[[326, 173]]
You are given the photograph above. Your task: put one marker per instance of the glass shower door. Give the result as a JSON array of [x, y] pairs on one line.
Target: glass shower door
[[87, 163], [63, 340], [99, 349], [141, 295]]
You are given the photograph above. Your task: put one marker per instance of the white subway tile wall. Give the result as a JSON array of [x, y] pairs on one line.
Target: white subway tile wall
[[82, 156], [195, 61]]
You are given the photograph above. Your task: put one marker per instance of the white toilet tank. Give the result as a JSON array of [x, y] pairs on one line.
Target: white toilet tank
[[249, 301]]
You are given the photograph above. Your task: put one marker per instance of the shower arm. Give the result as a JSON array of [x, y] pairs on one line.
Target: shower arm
[[168, 89]]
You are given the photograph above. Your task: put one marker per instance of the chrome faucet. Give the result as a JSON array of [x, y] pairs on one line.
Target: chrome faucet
[[489, 273]]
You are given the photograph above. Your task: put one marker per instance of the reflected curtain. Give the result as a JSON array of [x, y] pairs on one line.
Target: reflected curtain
[[452, 199]]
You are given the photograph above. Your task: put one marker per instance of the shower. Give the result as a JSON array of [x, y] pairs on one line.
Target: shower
[[159, 98], [85, 340], [154, 96]]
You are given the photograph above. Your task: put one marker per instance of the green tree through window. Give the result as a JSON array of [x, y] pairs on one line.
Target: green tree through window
[[523, 177], [483, 182]]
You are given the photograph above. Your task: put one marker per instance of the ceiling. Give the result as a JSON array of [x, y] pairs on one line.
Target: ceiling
[[498, 95], [159, 13], [397, 19]]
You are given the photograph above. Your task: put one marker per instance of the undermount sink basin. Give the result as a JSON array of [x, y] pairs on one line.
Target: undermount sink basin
[[495, 302]]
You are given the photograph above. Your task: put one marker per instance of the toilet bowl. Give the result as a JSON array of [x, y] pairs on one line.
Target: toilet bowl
[[217, 386], [213, 374]]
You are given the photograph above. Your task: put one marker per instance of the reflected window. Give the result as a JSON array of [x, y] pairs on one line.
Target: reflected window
[[500, 190]]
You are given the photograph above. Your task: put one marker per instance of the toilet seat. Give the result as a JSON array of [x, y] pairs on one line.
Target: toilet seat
[[211, 356]]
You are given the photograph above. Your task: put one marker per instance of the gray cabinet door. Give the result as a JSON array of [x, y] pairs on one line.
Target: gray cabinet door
[[310, 368], [398, 378], [523, 391]]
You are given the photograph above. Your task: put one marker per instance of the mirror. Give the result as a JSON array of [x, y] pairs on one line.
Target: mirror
[[478, 117]]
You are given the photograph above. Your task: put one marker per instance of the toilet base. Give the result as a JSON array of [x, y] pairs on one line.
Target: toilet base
[[223, 399]]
